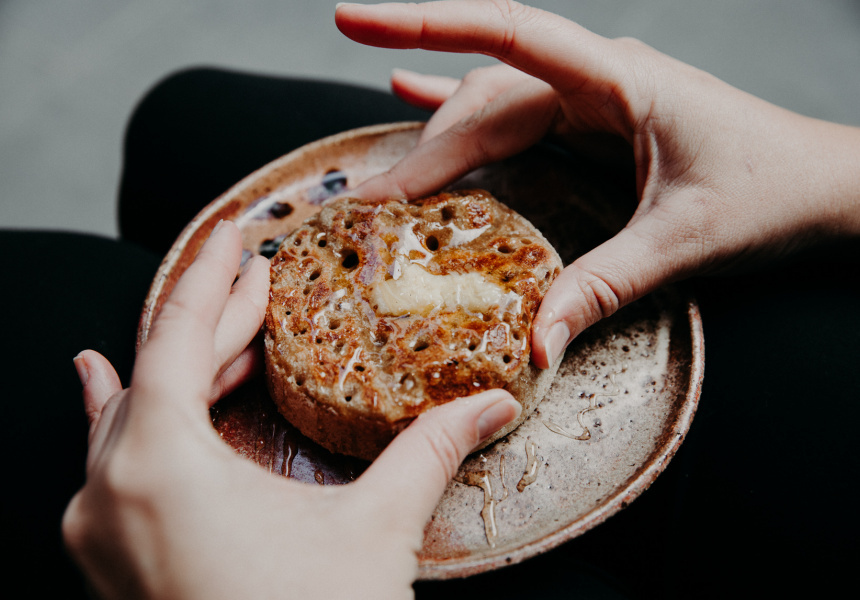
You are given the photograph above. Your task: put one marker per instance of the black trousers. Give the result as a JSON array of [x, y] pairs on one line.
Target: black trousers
[[759, 499]]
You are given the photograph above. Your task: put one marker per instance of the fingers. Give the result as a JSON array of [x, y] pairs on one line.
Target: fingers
[[180, 346], [637, 261], [496, 131], [198, 299], [477, 90], [248, 363], [411, 474], [496, 28], [453, 99], [603, 83], [243, 313], [580, 82], [424, 91], [103, 400], [99, 381], [542, 44]]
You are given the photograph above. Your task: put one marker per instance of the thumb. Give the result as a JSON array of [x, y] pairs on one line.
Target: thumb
[[619, 271], [99, 381], [413, 471]]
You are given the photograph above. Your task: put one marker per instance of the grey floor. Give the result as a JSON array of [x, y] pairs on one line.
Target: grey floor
[[71, 71]]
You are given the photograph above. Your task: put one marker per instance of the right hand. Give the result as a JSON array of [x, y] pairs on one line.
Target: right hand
[[171, 511], [723, 178]]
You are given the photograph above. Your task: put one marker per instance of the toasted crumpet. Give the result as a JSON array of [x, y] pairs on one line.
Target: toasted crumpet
[[380, 310]]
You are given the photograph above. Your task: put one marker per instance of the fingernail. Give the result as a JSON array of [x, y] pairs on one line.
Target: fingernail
[[216, 228], [245, 265], [556, 341], [81, 368], [497, 415]]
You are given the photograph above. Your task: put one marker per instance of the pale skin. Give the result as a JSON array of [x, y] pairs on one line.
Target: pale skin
[[724, 180], [171, 511]]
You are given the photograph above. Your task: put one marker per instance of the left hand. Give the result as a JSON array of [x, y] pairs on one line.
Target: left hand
[[170, 511]]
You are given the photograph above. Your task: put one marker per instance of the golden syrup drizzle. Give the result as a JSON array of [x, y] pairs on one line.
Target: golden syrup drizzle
[[260, 445], [408, 242], [558, 429], [531, 470], [333, 304], [502, 477], [481, 479], [319, 476], [270, 452], [291, 449], [464, 236], [586, 433], [482, 347], [617, 389], [344, 371], [592, 405]]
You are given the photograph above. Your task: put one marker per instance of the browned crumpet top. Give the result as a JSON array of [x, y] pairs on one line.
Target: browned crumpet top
[[381, 309]]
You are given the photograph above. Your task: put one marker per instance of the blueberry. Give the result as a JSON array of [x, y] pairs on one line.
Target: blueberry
[[280, 210], [333, 183], [270, 247]]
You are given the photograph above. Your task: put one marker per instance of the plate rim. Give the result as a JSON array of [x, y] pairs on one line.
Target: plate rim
[[466, 566], [196, 231]]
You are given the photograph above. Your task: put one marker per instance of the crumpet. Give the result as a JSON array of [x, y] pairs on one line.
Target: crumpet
[[380, 310]]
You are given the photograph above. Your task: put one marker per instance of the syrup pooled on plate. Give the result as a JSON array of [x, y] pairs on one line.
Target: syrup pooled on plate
[[481, 479], [531, 471]]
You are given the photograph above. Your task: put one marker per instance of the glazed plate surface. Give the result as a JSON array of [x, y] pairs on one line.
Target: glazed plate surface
[[618, 409]]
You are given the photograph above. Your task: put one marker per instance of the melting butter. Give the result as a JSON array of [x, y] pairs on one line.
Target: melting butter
[[414, 290]]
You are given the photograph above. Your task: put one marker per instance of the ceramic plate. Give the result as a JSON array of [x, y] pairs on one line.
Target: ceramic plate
[[618, 409]]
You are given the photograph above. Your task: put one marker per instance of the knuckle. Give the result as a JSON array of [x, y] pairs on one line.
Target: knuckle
[[482, 85], [176, 311], [123, 478], [478, 76], [73, 528], [216, 261], [632, 43], [491, 79], [469, 134], [511, 13], [601, 297], [115, 479]]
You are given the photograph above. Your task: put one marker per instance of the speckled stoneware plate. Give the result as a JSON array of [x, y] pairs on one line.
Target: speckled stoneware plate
[[620, 405]]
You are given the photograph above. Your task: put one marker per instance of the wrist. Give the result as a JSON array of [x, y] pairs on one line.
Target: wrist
[[833, 178]]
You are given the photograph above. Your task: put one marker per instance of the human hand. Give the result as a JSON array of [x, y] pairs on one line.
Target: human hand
[[724, 179], [170, 511]]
